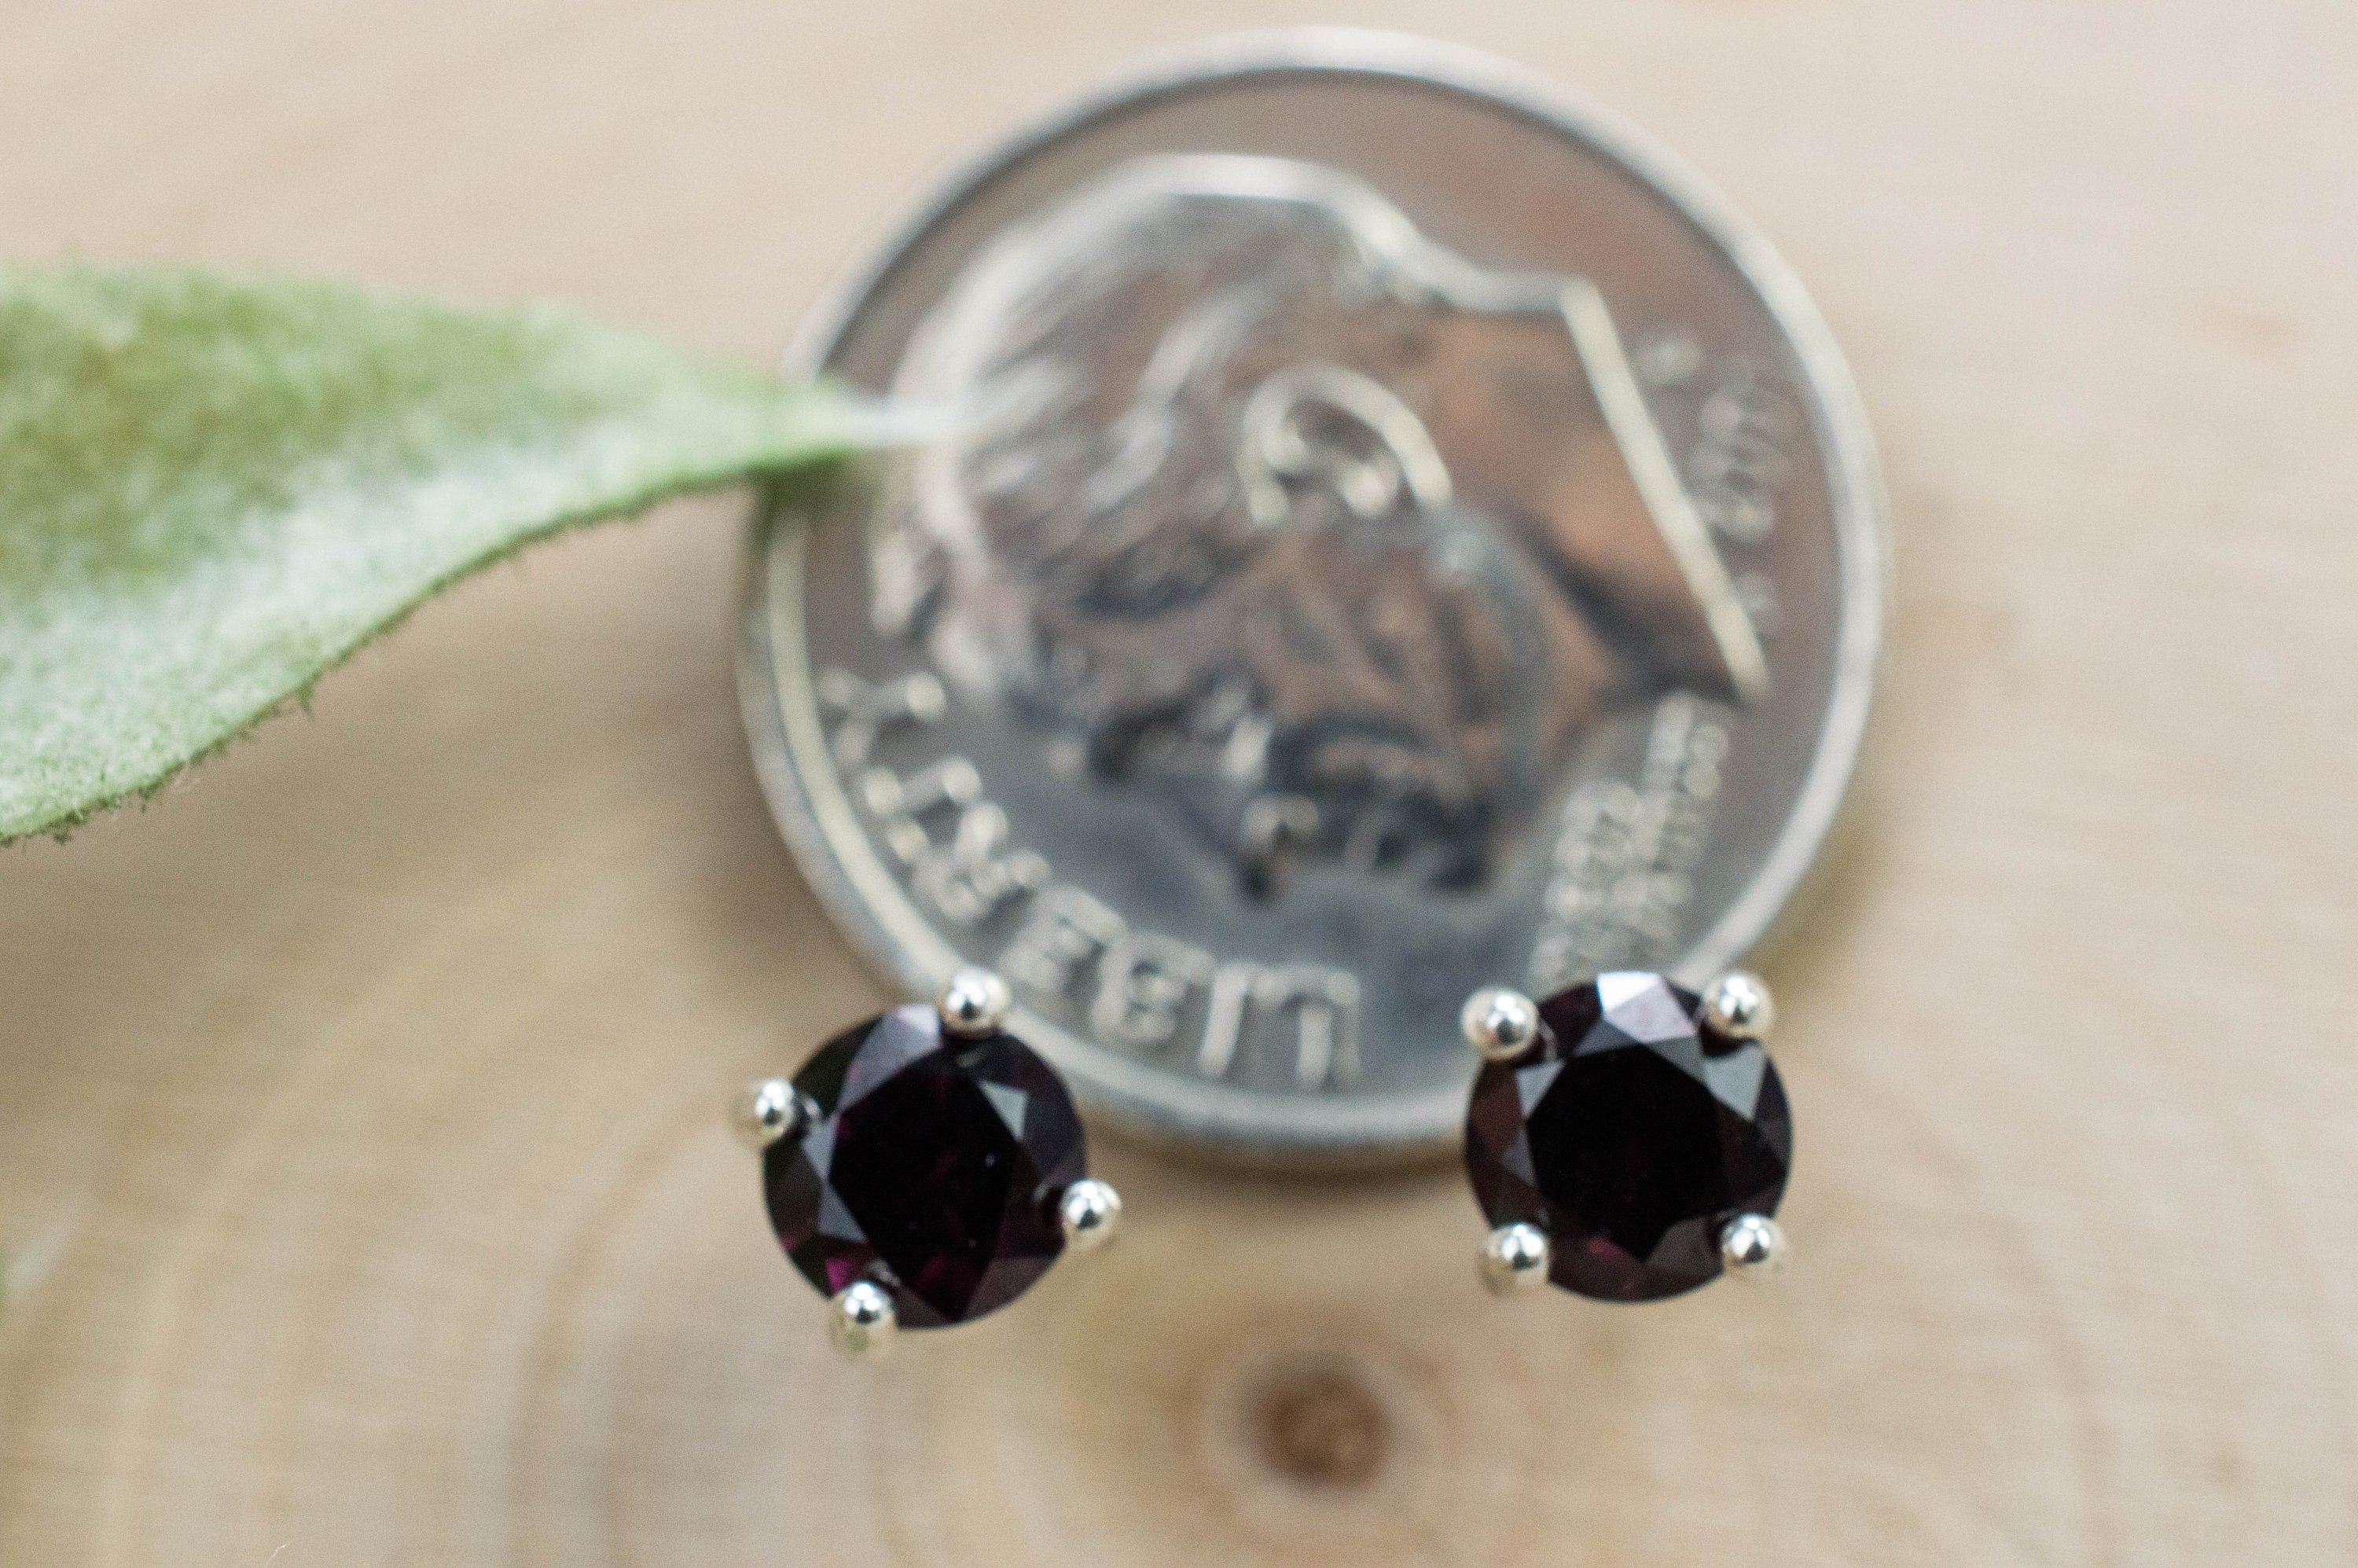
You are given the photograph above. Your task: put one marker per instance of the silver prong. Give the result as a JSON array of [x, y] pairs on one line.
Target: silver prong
[[1752, 1246], [863, 1323], [1515, 1259], [1091, 1213], [772, 1111], [974, 1003], [1500, 1023], [1738, 1005]]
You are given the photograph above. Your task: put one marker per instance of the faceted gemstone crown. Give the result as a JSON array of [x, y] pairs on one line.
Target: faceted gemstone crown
[[932, 1168], [1631, 1132]]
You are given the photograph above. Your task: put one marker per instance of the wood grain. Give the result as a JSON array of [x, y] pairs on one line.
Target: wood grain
[[362, 1192]]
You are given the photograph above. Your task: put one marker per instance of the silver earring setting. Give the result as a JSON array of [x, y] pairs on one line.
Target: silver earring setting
[[1626, 1139], [925, 1167]]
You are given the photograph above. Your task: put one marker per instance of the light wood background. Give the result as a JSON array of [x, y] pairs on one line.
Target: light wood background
[[363, 1191]]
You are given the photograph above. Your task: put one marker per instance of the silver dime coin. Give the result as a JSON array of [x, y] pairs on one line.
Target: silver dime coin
[[1381, 529]]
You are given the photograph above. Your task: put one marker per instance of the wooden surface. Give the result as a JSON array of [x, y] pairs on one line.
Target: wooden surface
[[362, 1189]]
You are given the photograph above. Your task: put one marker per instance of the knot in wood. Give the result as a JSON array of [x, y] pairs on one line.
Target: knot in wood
[[1319, 1424]]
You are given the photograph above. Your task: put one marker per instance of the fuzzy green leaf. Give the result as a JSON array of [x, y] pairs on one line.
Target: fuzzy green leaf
[[212, 491]]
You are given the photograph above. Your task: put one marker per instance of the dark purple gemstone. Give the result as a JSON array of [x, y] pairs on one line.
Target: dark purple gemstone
[[934, 1168], [1631, 1133]]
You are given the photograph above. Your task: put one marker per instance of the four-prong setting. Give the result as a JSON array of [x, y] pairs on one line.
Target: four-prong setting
[[925, 1167], [1501, 1025], [1516, 1260], [861, 1320], [1626, 1139], [974, 1003], [1752, 1246], [1738, 1005]]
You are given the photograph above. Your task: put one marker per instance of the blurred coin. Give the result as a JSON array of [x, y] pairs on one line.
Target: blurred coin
[[1387, 531]]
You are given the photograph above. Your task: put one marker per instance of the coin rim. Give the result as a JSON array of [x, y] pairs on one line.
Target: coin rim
[[1217, 1118]]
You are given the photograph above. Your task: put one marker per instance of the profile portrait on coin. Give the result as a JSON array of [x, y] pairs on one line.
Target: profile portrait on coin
[[1259, 498]]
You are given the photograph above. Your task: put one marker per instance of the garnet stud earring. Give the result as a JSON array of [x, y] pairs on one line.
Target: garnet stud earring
[[1628, 1139], [925, 1167]]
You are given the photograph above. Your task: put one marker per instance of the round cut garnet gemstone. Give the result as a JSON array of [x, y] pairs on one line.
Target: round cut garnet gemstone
[[1631, 1132], [932, 1168]]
